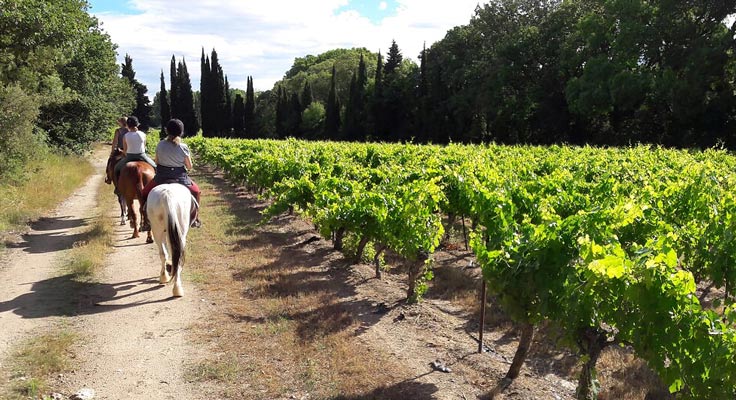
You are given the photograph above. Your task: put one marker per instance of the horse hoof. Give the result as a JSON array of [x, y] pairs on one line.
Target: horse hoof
[[149, 240], [135, 236], [163, 279], [178, 292]]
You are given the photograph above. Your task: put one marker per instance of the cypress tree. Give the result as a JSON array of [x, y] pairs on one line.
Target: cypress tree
[[281, 112], [142, 108], [307, 97], [355, 116], [250, 110], [295, 116], [204, 95], [165, 110], [217, 95], [174, 92], [228, 114], [349, 130], [377, 106], [186, 100], [423, 112], [239, 116], [332, 111]]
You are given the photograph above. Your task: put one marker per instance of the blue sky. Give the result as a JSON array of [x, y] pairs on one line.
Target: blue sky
[[261, 38]]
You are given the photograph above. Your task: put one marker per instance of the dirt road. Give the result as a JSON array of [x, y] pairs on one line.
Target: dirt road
[[132, 333]]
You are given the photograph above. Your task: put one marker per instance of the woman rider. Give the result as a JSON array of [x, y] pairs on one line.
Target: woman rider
[[134, 148], [117, 143], [173, 159]]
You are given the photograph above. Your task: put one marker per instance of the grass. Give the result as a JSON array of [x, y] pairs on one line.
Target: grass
[[223, 370], [89, 254], [38, 359], [49, 181]]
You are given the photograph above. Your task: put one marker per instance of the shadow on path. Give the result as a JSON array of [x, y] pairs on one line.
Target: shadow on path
[[66, 296]]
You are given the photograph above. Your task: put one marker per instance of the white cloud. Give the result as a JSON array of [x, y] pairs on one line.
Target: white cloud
[[262, 38], [382, 5]]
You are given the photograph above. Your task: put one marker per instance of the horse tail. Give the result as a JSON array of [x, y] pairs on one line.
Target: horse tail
[[177, 251]]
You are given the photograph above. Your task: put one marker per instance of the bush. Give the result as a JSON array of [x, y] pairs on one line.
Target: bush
[[20, 141]]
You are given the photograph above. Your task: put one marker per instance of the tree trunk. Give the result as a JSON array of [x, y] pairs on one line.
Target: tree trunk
[[450, 221], [465, 234], [377, 261], [527, 334], [361, 248], [592, 344], [415, 271], [339, 234]]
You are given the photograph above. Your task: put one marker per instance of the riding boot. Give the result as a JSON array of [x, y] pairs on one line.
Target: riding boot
[[145, 224], [196, 223]]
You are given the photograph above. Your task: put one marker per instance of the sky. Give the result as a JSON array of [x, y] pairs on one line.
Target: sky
[[261, 38]]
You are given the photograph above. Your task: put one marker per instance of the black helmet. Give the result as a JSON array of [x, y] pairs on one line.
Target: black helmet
[[132, 121], [175, 127]]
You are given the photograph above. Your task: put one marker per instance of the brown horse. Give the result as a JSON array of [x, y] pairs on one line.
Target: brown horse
[[134, 176], [116, 156]]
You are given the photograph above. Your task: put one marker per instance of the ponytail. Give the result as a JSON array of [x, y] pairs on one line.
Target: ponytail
[[173, 139]]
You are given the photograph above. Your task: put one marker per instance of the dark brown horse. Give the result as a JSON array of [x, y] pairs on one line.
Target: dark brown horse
[[116, 156], [134, 176]]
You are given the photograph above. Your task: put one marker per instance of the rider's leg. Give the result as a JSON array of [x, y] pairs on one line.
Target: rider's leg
[[149, 160], [196, 223], [118, 167]]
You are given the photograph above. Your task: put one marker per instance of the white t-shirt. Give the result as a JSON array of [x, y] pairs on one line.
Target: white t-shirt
[[136, 142]]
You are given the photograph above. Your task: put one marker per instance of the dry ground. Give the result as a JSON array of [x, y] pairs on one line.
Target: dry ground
[[131, 336]]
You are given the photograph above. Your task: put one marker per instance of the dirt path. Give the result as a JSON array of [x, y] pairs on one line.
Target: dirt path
[[133, 333]]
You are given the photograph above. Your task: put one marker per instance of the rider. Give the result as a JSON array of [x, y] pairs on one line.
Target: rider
[[174, 159], [134, 147], [117, 143]]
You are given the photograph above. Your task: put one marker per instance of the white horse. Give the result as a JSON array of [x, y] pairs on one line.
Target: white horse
[[168, 208]]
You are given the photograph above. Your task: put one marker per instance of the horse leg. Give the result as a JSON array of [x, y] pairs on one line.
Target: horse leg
[[178, 290], [160, 236], [123, 214], [149, 238], [133, 219]]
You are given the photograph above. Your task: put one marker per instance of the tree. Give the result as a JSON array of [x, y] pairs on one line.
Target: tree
[[216, 94], [307, 97], [228, 112], [239, 116], [282, 113], [205, 99], [332, 112], [164, 104], [355, 116], [312, 119], [377, 105], [393, 59], [295, 116], [59, 80], [174, 97], [142, 108], [186, 100], [249, 112]]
